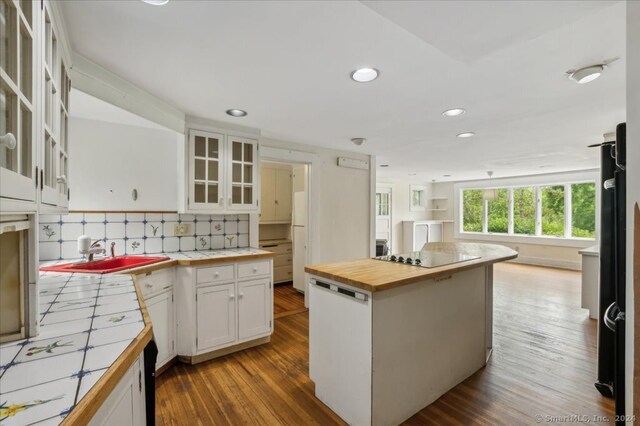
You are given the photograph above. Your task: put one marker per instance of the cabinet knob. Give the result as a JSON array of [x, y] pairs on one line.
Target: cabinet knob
[[241, 295], [255, 270], [216, 274]]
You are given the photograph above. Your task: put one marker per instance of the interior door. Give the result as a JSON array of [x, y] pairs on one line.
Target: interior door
[[283, 195], [383, 215], [268, 194]]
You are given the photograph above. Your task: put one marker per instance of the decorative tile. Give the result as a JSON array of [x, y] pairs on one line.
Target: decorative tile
[[51, 347], [230, 241], [103, 356], [171, 244], [187, 243], [74, 314], [135, 217], [203, 243], [117, 318], [39, 402], [118, 333], [153, 230], [28, 374], [49, 251], [217, 228], [153, 245], [94, 217], [69, 250], [87, 381], [115, 230], [71, 231], [134, 246], [49, 232], [115, 217]]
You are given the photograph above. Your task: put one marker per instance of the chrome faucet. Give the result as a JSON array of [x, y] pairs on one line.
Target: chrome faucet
[[113, 249], [95, 248]]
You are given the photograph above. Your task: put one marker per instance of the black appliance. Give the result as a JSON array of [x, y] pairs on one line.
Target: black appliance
[[611, 322], [382, 247], [150, 358]]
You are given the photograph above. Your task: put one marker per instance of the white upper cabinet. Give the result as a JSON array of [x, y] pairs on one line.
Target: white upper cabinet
[[34, 107], [18, 98], [222, 173]]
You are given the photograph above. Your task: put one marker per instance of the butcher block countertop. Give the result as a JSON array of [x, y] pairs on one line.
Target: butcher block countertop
[[376, 275]]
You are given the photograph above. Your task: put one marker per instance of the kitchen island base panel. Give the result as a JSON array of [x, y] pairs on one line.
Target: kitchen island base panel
[[379, 361]]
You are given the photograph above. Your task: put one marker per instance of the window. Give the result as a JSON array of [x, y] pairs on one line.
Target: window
[[583, 210], [472, 205], [418, 198], [524, 211], [562, 210], [498, 212]]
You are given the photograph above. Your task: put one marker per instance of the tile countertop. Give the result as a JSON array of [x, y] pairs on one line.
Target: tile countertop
[[87, 321]]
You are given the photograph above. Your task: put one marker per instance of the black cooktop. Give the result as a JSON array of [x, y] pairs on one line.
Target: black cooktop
[[428, 259]]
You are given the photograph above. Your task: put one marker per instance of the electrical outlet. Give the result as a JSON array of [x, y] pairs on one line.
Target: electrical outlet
[[181, 229]]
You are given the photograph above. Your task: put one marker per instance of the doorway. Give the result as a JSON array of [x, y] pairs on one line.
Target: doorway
[[384, 228]]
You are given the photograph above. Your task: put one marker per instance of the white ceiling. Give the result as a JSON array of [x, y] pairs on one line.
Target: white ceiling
[[288, 63]]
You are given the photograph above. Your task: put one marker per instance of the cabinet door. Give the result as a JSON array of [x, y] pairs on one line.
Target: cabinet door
[[160, 309], [243, 174], [126, 403], [254, 308], [206, 166], [215, 316], [283, 195], [268, 194], [17, 100]]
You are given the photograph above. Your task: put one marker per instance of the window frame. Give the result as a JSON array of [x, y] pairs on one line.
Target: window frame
[[536, 182], [423, 198]]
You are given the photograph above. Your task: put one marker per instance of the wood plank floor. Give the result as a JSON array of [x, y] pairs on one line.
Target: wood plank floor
[[544, 363], [287, 301]]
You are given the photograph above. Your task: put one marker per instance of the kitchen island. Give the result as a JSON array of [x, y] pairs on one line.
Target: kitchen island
[[387, 339]]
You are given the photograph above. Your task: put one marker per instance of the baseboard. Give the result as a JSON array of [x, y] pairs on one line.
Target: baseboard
[[552, 263], [196, 359]]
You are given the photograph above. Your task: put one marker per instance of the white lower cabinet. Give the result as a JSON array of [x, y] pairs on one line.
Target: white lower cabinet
[[216, 316], [161, 311], [157, 290], [126, 404], [223, 305], [254, 308]]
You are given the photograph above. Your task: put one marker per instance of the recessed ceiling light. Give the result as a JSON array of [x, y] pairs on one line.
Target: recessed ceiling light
[[454, 112], [364, 75], [586, 74], [359, 141], [446, 175], [465, 135], [156, 2], [384, 165], [236, 112]]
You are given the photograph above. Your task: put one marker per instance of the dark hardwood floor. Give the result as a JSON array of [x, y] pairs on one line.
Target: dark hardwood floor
[[544, 363], [287, 301]]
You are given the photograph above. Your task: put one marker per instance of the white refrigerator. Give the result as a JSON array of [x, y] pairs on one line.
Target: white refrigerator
[[299, 240]]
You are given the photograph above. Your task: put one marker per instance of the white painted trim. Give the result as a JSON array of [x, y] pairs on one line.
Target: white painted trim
[[388, 188], [524, 239], [208, 125], [313, 162], [551, 263], [104, 84], [372, 207]]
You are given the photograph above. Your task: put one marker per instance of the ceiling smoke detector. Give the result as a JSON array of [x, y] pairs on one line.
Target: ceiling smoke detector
[[358, 141], [589, 73]]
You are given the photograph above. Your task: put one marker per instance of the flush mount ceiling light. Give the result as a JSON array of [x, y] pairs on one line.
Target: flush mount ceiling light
[[156, 2], [454, 112], [364, 75], [466, 135], [236, 112], [589, 73], [359, 141]]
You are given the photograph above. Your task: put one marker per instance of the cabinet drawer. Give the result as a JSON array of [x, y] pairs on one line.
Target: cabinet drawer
[[254, 269], [282, 273], [281, 248], [215, 274], [155, 282], [282, 260]]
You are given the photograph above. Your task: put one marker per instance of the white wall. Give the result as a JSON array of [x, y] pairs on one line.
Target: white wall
[[534, 253], [344, 200], [633, 181], [401, 209], [111, 159]]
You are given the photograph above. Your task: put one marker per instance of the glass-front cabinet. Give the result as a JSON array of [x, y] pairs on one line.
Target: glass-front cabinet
[[34, 107], [17, 142], [222, 171]]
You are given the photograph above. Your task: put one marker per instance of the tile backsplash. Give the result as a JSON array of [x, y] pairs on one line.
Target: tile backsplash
[[140, 233]]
